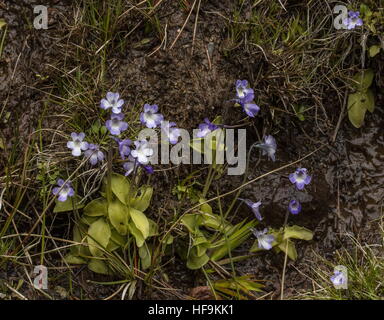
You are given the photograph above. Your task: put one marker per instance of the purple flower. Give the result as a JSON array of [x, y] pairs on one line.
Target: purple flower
[[94, 154], [264, 240], [130, 165], [150, 117], [124, 147], [206, 128], [77, 144], [116, 125], [143, 152], [268, 147], [245, 98], [149, 169], [250, 108], [113, 101], [339, 279], [294, 206], [170, 130], [244, 93], [254, 207], [64, 190], [300, 177], [353, 20]]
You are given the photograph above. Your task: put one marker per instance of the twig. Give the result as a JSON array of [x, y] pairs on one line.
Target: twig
[[195, 28], [185, 23]]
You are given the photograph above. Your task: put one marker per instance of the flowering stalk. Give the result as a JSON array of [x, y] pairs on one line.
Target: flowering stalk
[[109, 174], [244, 179]]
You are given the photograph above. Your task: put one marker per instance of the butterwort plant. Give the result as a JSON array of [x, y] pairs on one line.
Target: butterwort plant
[[264, 239], [171, 131], [300, 178], [63, 190], [353, 20], [268, 147], [77, 145], [113, 102], [254, 206], [116, 125], [150, 117], [206, 128], [245, 98], [294, 206], [94, 154], [124, 146]]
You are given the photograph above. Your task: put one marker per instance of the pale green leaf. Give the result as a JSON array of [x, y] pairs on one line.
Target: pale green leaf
[[118, 238], [2, 23], [112, 245], [145, 256], [357, 108], [137, 234], [191, 221], [118, 216], [153, 228], [143, 199], [70, 204], [72, 259], [205, 207], [363, 80], [88, 220], [287, 246], [96, 208], [98, 266], [297, 232], [99, 234], [370, 103], [194, 262], [120, 187], [140, 220], [374, 50]]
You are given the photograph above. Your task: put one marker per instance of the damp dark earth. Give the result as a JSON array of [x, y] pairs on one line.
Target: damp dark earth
[[183, 231]]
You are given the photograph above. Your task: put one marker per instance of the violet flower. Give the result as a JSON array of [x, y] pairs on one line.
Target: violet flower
[[339, 279], [94, 154], [113, 101], [77, 144], [250, 108], [171, 131], [245, 98], [353, 20], [149, 169], [150, 117], [264, 240], [300, 177], [64, 190], [206, 128], [268, 147], [243, 92], [124, 147], [130, 165], [294, 206], [116, 125], [143, 152], [254, 207]]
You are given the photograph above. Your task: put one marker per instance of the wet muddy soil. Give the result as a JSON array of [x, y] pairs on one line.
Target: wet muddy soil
[[347, 189]]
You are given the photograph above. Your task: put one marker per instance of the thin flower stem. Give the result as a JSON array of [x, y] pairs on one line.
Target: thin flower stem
[[285, 266], [244, 179], [207, 182], [109, 187]]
